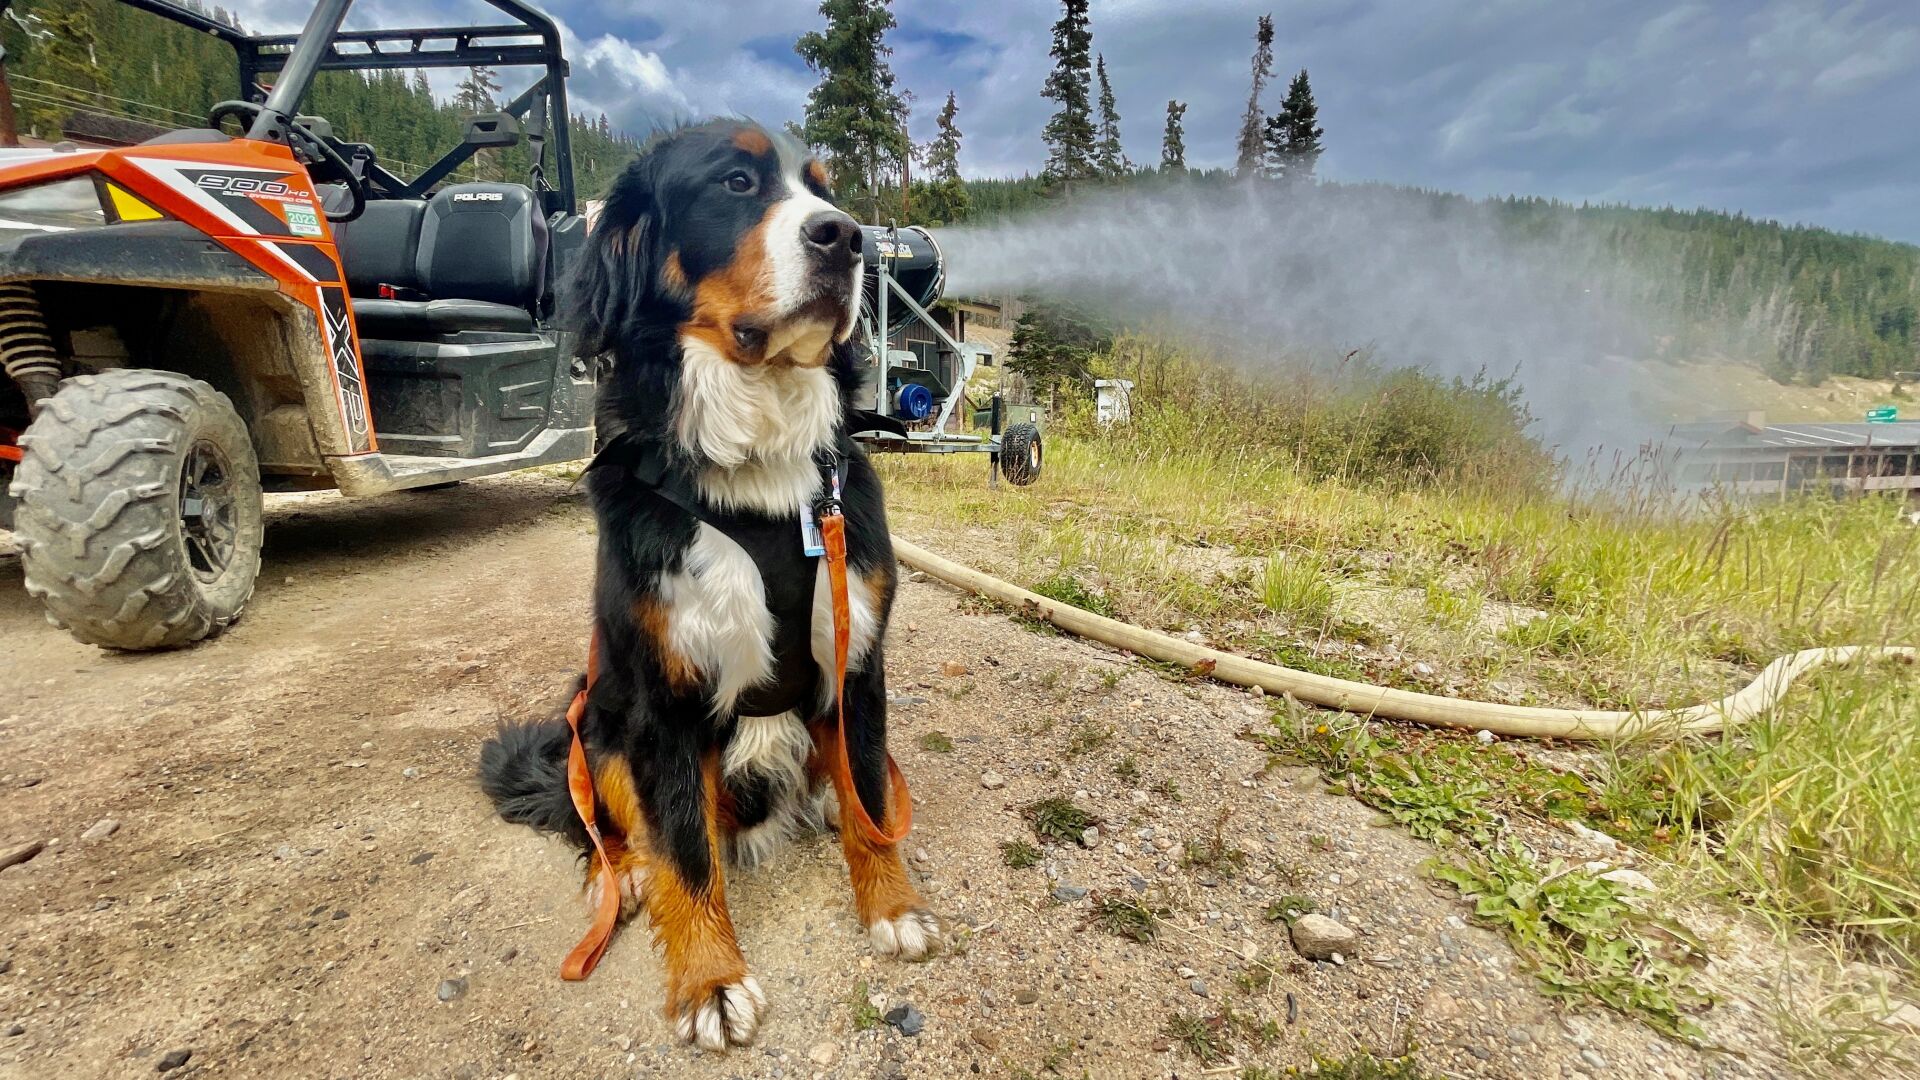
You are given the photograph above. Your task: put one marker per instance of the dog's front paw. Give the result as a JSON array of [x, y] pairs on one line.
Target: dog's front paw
[[722, 1016], [911, 935]]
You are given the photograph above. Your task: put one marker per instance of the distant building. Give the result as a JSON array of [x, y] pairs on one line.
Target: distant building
[[933, 357], [1754, 458]]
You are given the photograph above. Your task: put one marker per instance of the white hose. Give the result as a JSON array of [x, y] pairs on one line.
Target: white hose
[[1519, 721]]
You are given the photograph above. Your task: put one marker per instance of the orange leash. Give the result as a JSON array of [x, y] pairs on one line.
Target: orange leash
[[581, 961], [833, 529]]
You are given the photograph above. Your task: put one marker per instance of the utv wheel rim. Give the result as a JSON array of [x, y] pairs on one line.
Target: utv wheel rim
[[207, 511]]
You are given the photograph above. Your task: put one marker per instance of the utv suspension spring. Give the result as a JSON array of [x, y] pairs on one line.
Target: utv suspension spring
[[26, 344]]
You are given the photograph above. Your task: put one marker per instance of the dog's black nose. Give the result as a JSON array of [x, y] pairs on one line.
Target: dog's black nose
[[832, 232]]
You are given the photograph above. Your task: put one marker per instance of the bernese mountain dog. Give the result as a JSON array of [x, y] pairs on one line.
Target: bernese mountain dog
[[720, 291]]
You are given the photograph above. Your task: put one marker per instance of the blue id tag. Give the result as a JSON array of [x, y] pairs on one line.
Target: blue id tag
[[811, 541]]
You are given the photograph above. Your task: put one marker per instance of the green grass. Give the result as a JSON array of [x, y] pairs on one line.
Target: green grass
[[1124, 917], [1213, 853], [864, 1016], [1068, 590], [1253, 979], [1019, 855], [1289, 908], [1256, 1029], [1204, 1037], [1662, 603], [1058, 819], [1436, 784], [1582, 938], [1286, 530], [1127, 770], [1364, 1065], [1297, 584], [1287, 654], [1086, 737], [936, 742], [1807, 816]]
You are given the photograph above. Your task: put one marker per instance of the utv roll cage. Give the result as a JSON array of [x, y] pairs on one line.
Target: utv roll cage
[[532, 40]]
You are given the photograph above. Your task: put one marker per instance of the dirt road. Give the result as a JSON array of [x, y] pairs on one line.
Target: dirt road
[[305, 882]]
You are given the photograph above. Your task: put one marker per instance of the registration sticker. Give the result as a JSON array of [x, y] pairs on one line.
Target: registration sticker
[[301, 220]]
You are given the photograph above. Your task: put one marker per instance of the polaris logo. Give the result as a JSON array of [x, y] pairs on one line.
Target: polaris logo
[[228, 184], [479, 196]]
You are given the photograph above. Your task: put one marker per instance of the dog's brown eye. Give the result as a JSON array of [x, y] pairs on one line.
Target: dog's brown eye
[[740, 182]]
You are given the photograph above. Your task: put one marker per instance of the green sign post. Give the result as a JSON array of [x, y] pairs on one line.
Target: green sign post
[[1885, 414]]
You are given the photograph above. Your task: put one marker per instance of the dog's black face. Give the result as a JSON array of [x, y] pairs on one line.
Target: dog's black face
[[730, 226]]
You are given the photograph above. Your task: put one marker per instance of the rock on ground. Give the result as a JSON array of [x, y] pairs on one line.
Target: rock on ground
[[1317, 937]]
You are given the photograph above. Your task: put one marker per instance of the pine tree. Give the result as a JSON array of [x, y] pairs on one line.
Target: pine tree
[[942, 159], [1173, 144], [1251, 145], [1069, 134], [63, 51], [1053, 347], [854, 116], [1293, 134], [475, 93], [941, 198], [472, 97], [1110, 157]]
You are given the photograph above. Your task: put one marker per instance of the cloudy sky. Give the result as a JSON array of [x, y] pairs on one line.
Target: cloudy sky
[[1801, 110]]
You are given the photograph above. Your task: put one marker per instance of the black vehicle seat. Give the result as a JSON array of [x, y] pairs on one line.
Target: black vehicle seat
[[478, 256], [379, 246]]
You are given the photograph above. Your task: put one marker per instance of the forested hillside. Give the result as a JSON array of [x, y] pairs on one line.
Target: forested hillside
[[108, 59], [1799, 303]]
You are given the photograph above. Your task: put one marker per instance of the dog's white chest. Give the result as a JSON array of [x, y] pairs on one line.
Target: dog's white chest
[[719, 620], [717, 616]]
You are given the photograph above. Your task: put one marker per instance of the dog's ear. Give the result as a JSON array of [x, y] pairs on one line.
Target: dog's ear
[[616, 279]]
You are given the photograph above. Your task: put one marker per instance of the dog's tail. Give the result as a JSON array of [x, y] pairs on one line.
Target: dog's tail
[[523, 769]]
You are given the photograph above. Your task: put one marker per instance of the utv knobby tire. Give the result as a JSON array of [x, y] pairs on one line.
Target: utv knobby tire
[[103, 519], [1020, 454]]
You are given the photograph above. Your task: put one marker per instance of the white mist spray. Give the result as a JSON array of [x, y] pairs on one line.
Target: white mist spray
[[1420, 281]]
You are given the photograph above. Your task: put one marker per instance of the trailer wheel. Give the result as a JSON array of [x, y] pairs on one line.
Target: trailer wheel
[[1020, 454], [139, 510]]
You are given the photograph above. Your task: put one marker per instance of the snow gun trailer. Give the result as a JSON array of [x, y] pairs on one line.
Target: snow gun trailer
[[905, 273]]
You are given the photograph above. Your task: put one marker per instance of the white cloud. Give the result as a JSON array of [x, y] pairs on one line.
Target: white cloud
[[609, 63]]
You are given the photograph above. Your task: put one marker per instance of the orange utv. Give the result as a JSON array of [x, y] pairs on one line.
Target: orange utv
[[256, 305]]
